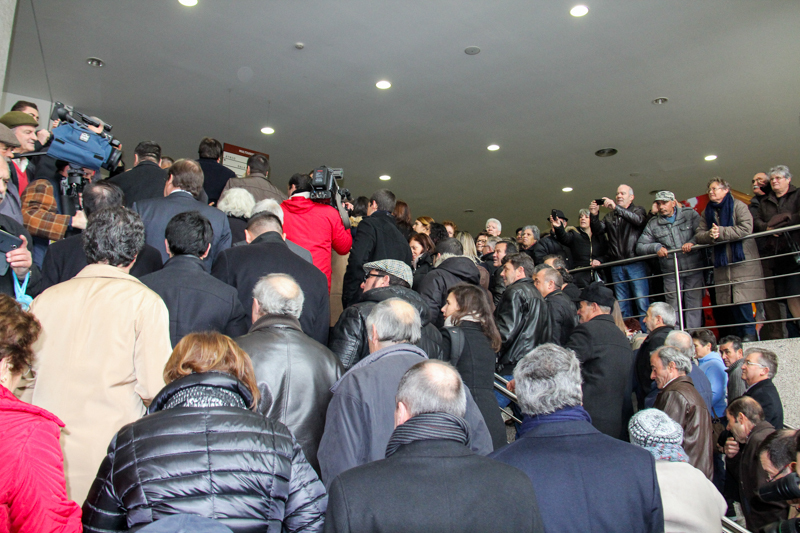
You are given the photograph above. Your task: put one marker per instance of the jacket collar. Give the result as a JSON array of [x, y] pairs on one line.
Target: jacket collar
[[522, 280], [677, 381], [679, 213], [433, 448], [270, 237], [257, 175], [9, 402], [772, 197], [206, 379], [98, 270], [561, 429], [276, 321], [180, 193], [186, 262], [394, 349], [144, 162]]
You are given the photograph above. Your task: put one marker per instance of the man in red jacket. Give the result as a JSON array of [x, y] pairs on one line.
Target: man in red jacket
[[314, 226]]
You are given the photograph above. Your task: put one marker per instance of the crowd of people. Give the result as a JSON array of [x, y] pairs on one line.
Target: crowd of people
[[174, 352]]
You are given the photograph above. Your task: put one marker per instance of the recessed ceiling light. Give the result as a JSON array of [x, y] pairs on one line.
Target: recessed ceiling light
[[567, 189], [606, 152], [710, 157], [493, 147], [267, 131], [472, 50], [383, 84], [188, 3], [95, 62], [660, 101], [578, 11], [469, 210], [385, 178]]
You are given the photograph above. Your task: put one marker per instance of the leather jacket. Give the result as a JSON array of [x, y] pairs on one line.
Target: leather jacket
[[563, 317], [681, 401], [294, 374], [622, 227], [348, 338], [523, 321]]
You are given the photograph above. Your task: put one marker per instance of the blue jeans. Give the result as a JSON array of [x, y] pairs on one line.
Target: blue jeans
[[743, 314], [628, 289]]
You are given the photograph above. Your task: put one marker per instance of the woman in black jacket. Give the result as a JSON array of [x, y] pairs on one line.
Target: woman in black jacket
[[422, 252], [203, 450], [587, 249], [470, 342]]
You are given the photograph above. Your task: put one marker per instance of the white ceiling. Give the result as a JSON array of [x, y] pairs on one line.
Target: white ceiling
[[549, 88]]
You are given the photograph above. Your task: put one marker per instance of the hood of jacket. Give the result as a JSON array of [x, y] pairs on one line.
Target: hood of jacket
[[395, 291], [461, 267], [298, 205]]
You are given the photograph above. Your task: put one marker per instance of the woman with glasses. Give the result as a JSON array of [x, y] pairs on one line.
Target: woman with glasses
[[33, 490], [779, 209], [737, 271]]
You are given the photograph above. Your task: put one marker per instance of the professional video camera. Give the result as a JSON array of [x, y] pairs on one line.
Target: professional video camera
[[325, 189], [74, 142], [785, 488]]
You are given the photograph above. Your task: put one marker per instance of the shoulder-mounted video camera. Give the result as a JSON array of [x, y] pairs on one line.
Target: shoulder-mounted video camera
[[325, 189], [79, 146]]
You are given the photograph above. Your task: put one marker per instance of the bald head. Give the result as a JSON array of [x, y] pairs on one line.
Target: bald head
[[430, 387], [682, 341], [624, 196], [277, 294]]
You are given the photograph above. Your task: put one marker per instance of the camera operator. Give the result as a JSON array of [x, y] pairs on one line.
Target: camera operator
[[315, 226], [44, 214]]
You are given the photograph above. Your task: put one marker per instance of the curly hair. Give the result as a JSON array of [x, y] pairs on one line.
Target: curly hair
[[18, 331]]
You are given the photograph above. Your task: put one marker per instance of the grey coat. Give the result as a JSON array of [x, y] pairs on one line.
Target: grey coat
[[737, 273], [659, 233], [736, 385]]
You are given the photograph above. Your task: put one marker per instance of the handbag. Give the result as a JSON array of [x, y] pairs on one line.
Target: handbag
[[718, 426], [793, 247]]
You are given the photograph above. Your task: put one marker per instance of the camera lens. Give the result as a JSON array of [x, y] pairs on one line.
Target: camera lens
[[785, 488]]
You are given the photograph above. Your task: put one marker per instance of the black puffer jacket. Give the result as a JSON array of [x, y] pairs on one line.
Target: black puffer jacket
[[295, 374], [524, 323], [348, 338], [223, 462], [622, 227], [450, 272]]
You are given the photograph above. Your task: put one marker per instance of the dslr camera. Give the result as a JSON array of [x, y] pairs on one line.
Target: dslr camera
[[785, 488]]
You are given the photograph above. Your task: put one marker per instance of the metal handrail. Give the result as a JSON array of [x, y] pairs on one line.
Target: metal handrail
[[729, 526], [502, 387], [638, 258]]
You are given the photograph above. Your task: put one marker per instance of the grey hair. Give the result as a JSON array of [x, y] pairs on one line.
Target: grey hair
[[668, 355], [492, 241], [782, 170], [767, 358], [665, 311], [554, 275], [630, 189], [682, 341], [432, 386], [548, 379], [584, 212], [722, 182], [279, 294], [534, 229], [237, 202], [268, 205], [499, 225], [395, 320]]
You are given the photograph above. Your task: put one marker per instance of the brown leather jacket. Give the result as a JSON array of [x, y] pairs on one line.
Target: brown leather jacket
[[681, 401]]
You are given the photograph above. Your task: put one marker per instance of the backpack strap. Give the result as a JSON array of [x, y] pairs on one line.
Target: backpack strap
[[457, 342]]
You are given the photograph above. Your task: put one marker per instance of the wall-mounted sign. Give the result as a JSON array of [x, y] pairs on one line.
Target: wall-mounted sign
[[235, 157]]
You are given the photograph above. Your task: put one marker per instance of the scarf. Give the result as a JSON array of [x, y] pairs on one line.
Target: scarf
[[725, 211], [204, 396], [668, 452], [429, 426], [469, 317], [566, 414]]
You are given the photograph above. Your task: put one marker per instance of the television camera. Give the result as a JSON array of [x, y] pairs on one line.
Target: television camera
[[325, 189]]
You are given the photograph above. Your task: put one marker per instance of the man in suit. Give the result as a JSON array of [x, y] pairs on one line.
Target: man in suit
[[294, 372], [183, 188], [146, 179], [759, 367], [196, 300], [266, 253], [571, 464], [216, 174], [606, 361], [377, 238], [65, 258], [442, 484]]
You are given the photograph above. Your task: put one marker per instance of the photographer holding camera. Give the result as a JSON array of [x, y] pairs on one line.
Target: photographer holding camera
[[315, 226]]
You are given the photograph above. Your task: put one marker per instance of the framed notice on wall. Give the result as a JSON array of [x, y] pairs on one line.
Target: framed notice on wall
[[235, 157]]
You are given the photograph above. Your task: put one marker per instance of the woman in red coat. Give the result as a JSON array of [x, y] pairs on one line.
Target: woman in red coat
[[33, 492]]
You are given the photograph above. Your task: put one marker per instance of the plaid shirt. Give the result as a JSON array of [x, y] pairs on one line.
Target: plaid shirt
[[40, 213]]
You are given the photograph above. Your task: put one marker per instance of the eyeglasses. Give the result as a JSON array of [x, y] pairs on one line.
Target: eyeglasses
[[778, 474], [371, 275], [712, 189], [751, 363]]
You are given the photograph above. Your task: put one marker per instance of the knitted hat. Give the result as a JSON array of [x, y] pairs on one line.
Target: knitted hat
[[598, 293], [651, 427], [665, 196], [393, 267], [12, 119], [7, 137]]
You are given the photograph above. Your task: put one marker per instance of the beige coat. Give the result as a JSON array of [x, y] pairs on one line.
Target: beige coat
[[99, 360], [739, 293]]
